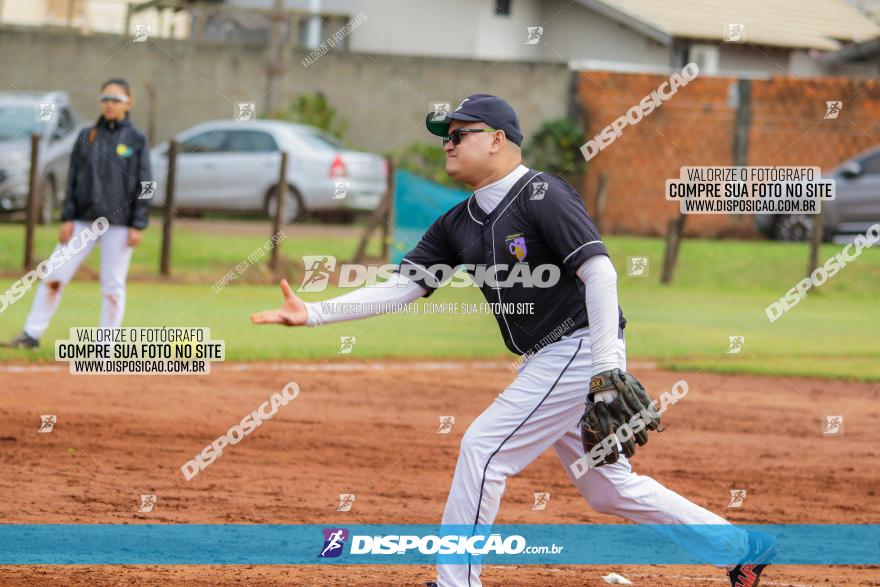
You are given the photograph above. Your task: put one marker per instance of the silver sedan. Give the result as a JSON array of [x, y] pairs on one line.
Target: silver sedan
[[234, 166], [50, 115]]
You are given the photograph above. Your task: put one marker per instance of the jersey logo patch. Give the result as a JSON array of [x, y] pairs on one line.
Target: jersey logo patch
[[124, 150], [516, 244]]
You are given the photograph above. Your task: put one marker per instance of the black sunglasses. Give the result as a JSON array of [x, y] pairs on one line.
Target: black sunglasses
[[455, 136]]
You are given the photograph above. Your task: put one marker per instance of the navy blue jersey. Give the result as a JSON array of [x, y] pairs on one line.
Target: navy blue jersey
[[541, 227]]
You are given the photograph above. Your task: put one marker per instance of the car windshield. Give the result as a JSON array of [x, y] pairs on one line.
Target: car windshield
[[18, 121], [322, 141]]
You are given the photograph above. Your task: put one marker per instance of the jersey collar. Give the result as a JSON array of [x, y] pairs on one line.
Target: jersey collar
[[480, 217], [488, 196]]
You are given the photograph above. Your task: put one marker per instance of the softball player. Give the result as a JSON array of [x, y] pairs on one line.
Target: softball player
[[517, 215], [109, 167]]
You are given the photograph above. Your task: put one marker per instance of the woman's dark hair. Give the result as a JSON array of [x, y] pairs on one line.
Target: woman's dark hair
[[115, 81]]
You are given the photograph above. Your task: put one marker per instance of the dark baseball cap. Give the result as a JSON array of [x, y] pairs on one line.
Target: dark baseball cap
[[479, 107]]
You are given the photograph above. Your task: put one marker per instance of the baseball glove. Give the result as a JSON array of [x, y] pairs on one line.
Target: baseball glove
[[602, 420]]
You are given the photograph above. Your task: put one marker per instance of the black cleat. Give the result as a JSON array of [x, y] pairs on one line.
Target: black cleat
[[762, 550], [23, 341]]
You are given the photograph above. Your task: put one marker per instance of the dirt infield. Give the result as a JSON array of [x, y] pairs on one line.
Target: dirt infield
[[373, 432]]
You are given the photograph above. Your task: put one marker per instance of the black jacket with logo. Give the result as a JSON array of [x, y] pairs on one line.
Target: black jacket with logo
[[105, 177]]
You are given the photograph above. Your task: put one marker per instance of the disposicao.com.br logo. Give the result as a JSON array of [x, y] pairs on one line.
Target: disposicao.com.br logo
[[319, 272], [334, 542], [450, 544]]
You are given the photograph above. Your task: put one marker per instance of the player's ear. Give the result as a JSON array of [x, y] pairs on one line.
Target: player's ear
[[497, 141]]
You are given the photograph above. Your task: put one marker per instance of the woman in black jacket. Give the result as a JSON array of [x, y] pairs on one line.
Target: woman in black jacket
[[107, 201]]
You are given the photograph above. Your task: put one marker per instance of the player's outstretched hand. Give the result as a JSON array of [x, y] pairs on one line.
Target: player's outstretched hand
[[291, 313]]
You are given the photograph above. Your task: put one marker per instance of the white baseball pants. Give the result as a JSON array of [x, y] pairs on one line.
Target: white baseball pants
[[542, 408], [115, 259]]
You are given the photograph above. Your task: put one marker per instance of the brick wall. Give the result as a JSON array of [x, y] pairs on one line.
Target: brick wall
[[696, 127]]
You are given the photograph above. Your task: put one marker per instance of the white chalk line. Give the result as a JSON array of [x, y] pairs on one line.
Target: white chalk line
[[716, 579]]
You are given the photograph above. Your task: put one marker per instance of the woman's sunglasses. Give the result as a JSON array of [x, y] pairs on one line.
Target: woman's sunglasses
[[113, 98], [455, 136]]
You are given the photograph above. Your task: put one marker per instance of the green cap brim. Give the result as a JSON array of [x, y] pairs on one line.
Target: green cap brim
[[440, 127]]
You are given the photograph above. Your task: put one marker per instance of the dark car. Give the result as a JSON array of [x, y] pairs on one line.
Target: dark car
[[855, 207]]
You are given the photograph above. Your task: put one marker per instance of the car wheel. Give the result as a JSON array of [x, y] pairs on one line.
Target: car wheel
[[46, 203], [794, 228], [293, 208]]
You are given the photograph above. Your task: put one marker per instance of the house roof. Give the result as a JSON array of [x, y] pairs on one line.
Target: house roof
[[808, 24], [863, 51]]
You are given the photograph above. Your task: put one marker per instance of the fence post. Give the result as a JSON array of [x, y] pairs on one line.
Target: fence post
[[674, 230], [280, 196], [388, 225], [740, 147], [31, 219], [601, 197], [815, 243], [384, 214], [168, 213]]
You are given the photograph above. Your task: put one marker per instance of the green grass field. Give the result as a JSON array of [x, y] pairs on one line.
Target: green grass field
[[200, 253], [721, 289]]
